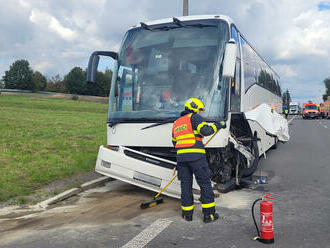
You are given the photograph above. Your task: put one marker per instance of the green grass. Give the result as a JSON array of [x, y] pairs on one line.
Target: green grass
[[42, 140]]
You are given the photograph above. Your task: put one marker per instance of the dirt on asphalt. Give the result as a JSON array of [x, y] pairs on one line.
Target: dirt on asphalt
[[116, 202]]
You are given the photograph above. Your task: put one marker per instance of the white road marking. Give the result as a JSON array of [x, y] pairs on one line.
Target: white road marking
[[292, 119], [148, 234], [323, 124]]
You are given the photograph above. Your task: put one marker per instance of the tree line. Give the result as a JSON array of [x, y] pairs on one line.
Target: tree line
[[327, 88], [21, 76]]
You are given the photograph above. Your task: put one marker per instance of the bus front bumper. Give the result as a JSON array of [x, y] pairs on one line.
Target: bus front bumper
[[127, 165]]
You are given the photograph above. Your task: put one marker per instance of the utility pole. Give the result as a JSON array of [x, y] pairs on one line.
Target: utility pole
[[185, 7]]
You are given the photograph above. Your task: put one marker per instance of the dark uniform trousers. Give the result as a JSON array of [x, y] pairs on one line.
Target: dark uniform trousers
[[201, 171]]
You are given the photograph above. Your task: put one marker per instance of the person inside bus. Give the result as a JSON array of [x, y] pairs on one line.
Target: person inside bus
[[187, 134]]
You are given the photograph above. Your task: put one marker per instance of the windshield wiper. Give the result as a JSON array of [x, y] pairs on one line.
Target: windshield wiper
[[166, 28], [145, 26], [140, 120], [179, 24], [114, 123], [159, 123]]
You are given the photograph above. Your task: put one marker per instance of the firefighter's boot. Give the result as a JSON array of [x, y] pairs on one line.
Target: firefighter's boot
[[187, 217], [210, 217]]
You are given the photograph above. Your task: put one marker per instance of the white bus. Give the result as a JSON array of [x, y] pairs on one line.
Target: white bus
[[159, 66]]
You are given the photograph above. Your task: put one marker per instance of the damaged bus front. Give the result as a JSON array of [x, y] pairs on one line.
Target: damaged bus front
[[159, 66]]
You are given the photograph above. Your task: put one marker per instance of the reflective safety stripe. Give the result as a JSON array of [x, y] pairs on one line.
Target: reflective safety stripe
[[173, 139], [188, 141], [200, 126], [190, 151], [185, 136], [208, 205], [189, 208], [214, 128]]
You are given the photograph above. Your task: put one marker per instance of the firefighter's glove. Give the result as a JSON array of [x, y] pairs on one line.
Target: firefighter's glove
[[220, 125]]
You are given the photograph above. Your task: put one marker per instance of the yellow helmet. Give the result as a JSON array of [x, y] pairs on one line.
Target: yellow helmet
[[194, 104]]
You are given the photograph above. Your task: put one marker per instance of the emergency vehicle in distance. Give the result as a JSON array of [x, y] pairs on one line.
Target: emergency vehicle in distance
[[160, 65], [294, 108], [310, 110], [325, 109]]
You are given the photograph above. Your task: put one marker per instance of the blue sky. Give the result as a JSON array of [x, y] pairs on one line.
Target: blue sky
[[57, 35], [323, 6]]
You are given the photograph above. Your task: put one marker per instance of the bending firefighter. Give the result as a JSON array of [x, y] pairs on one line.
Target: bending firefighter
[[187, 134]]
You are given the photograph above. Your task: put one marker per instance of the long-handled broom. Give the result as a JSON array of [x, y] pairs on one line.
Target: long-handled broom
[[158, 200]]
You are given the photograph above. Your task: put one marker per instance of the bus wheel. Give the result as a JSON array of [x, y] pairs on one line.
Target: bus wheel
[[246, 172]]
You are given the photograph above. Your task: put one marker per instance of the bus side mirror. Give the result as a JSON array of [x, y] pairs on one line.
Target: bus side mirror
[[229, 59], [94, 62]]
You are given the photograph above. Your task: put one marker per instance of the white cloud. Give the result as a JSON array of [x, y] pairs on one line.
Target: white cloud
[[65, 33], [44, 19], [285, 70], [24, 4], [43, 66], [308, 35]]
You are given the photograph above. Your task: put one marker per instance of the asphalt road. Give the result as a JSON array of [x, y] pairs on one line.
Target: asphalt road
[[299, 173]]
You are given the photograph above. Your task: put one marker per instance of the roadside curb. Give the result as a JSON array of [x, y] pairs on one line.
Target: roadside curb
[[71, 192], [95, 183]]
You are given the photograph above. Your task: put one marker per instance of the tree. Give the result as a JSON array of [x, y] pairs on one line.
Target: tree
[[102, 84], [39, 81], [19, 76], [56, 84], [75, 81], [327, 88], [286, 98]]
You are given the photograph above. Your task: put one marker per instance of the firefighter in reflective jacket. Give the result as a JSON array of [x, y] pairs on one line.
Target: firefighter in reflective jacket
[[286, 112], [187, 134]]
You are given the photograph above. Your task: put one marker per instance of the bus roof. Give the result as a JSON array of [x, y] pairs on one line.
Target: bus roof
[[188, 18]]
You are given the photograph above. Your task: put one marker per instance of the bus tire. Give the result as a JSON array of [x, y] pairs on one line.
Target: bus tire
[[246, 172]]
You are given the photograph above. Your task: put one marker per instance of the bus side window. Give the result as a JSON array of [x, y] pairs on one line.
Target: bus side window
[[235, 36], [236, 89]]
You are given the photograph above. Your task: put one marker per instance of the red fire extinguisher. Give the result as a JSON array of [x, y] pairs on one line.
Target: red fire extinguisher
[[266, 234]]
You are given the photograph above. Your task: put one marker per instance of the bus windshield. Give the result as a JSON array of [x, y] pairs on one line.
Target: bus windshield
[[162, 66]]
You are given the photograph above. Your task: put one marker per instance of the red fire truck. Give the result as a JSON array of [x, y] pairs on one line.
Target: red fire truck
[[326, 108]]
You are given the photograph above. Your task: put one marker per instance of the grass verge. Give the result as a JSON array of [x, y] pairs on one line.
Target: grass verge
[[42, 140]]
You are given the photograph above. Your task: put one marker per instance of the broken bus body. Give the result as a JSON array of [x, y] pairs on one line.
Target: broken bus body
[[160, 65]]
